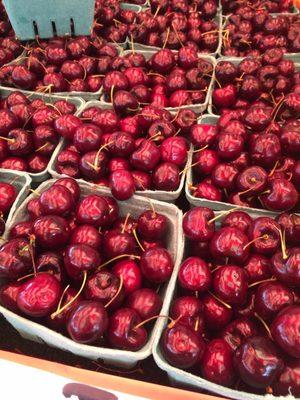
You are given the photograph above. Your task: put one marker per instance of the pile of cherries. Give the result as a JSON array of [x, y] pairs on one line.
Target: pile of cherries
[[251, 32], [167, 79], [140, 152], [60, 65], [273, 6], [8, 195], [176, 23], [10, 48], [29, 131], [236, 319], [265, 82], [79, 267], [112, 22]]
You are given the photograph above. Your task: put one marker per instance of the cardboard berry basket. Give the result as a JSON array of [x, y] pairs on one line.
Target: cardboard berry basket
[[136, 205], [21, 181], [78, 102], [161, 195], [218, 19], [236, 60], [197, 108], [194, 382], [214, 205]]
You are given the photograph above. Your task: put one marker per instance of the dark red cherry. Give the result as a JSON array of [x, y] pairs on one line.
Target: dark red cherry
[[123, 332], [197, 225], [237, 331], [87, 322], [238, 219], [288, 382], [265, 234], [21, 230], [56, 200], [116, 243], [281, 196], [39, 296], [130, 273], [217, 363], [181, 346], [156, 265], [105, 287], [92, 210], [166, 177], [71, 185], [252, 180], [80, 258], [194, 275], [230, 284], [51, 231], [188, 309], [146, 302], [231, 244], [258, 268], [51, 263], [152, 225], [290, 223], [286, 266], [122, 184], [216, 314], [86, 234], [270, 298], [258, 362]]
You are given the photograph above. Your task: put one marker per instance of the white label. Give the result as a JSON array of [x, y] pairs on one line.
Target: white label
[[19, 382]]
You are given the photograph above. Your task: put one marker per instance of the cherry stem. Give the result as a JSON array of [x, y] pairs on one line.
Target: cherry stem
[[117, 293], [246, 191], [264, 324], [62, 296], [218, 299], [151, 319], [29, 276], [117, 258], [201, 149], [125, 222], [263, 281], [278, 107], [137, 240], [177, 35], [222, 213], [157, 11], [265, 237], [283, 243], [167, 38], [112, 93], [8, 139], [60, 310], [95, 166], [132, 44], [35, 192], [42, 147], [219, 84]]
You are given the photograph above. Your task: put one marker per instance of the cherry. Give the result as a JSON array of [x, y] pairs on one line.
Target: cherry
[[116, 243], [288, 381], [238, 219], [257, 362], [163, 61], [202, 135], [146, 157], [56, 200], [71, 185], [286, 266], [207, 191], [205, 161], [216, 313], [51, 263], [266, 150], [124, 333], [225, 97], [166, 177], [21, 230], [265, 233], [131, 275], [39, 295], [230, 284], [92, 210], [8, 195], [174, 150], [87, 138], [197, 225], [290, 224], [122, 184], [217, 363], [86, 234], [224, 176], [282, 196], [88, 321], [51, 231], [188, 310], [156, 265], [68, 163], [23, 78], [270, 298], [258, 268], [79, 258], [194, 275], [66, 125], [44, 139], [146, 302], [8, 295], [231, 244], [181, 346], [237, 331], [152, 225], [252, 180]]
